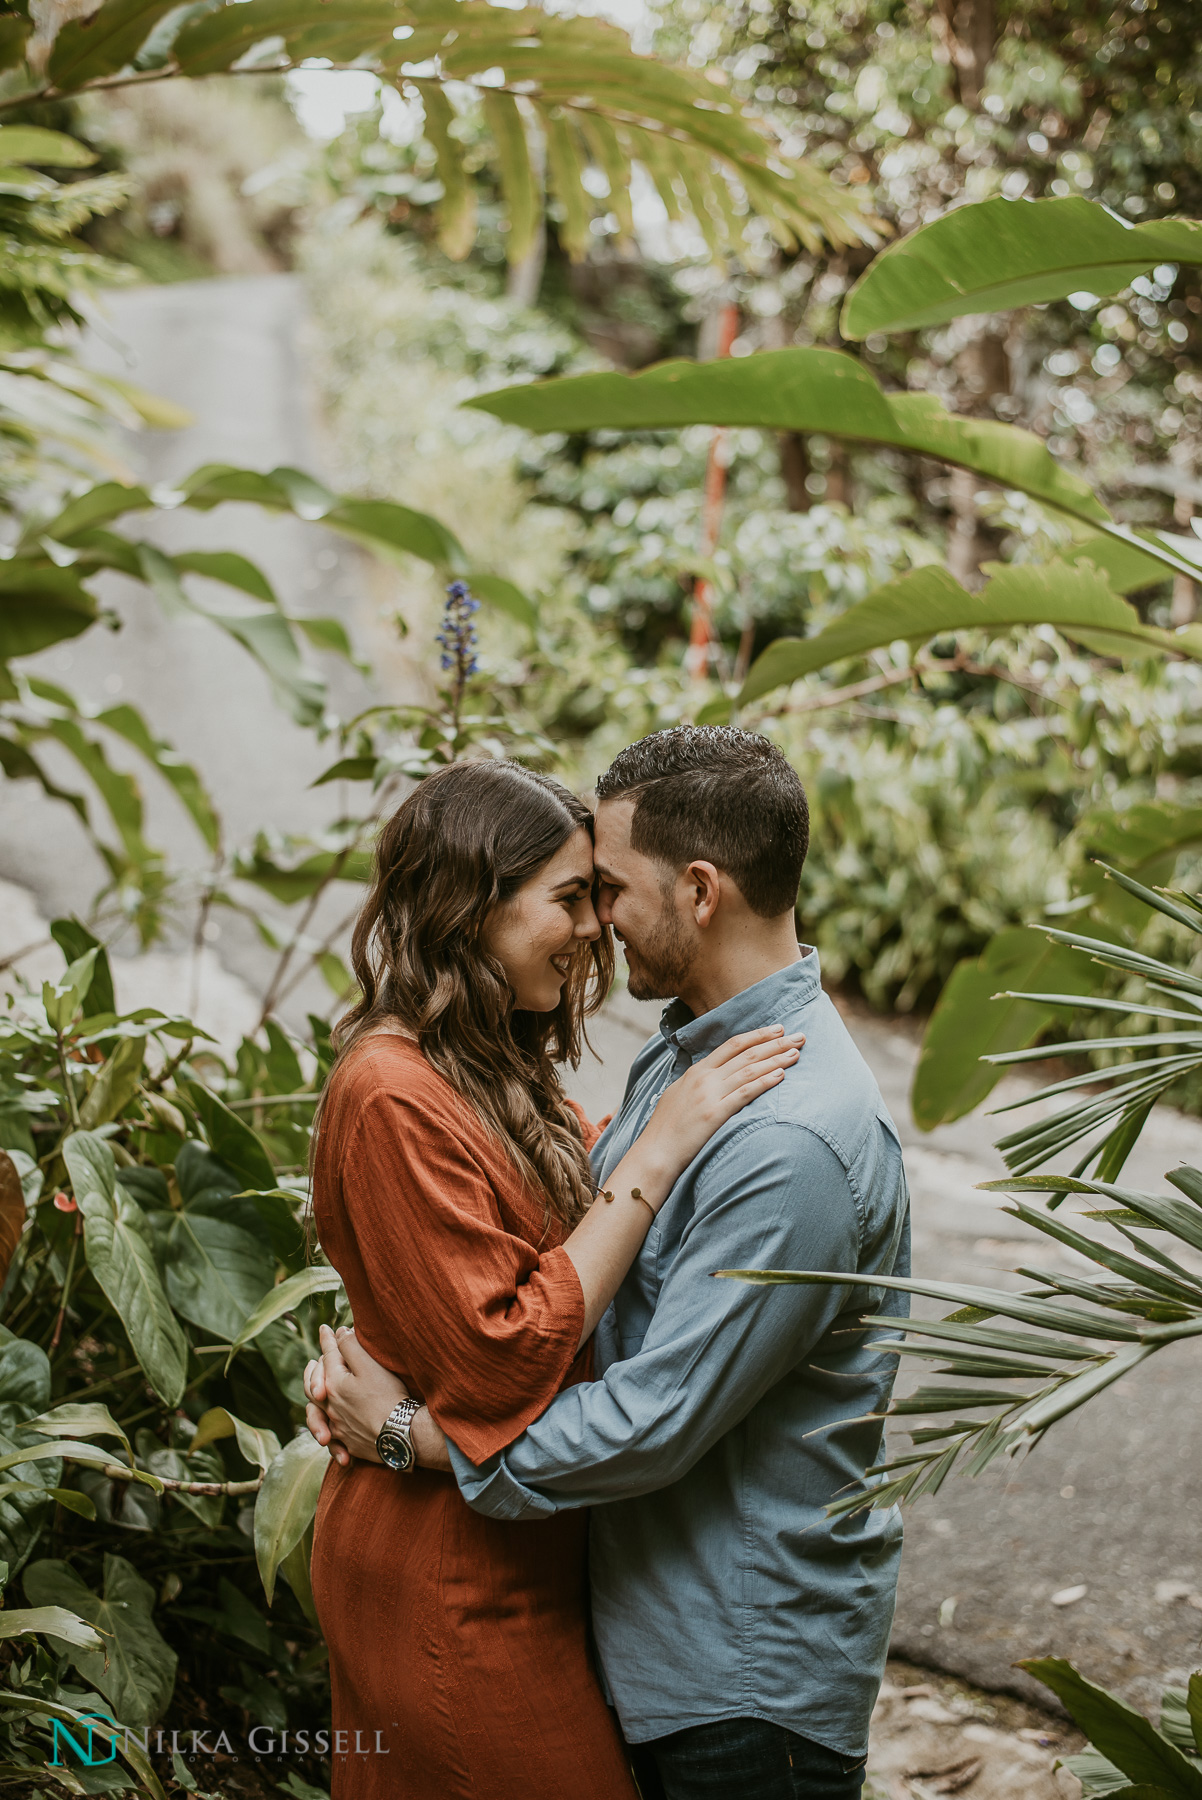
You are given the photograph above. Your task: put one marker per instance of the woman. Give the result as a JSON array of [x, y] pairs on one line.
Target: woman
[[452, 1192]]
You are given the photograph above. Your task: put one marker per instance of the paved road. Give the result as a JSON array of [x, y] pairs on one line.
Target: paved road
[[228, 351], [1109, 1500]]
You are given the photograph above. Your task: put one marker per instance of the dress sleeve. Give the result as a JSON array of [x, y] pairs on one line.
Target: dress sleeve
[[486, 1325]]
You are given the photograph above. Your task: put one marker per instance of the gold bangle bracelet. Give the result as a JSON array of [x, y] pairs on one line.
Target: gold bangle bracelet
[[607, 1195], [637, 1194]]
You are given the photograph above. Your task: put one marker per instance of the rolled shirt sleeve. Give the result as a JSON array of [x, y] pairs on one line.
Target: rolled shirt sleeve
[[776, 1196]]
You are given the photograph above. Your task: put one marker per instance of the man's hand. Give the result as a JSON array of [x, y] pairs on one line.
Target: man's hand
[[350, 1395]]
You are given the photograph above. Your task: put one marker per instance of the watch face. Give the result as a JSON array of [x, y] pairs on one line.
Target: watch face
[[396, 1450]]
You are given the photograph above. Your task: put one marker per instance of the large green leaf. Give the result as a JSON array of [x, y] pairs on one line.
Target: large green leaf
[[1006, 999], [927, 602], [115, 1083], [82, 1419], [795, 390], [104, 42], [385, 526], [286, 1504], [24, 1392], [256, 1443], [215, 1273], [74, 940], [136, 1670], [120, 1254], [48, 149], [973, 1018], [317, 1279], [267, 1215], [128, 723], [231, 1140], [1129, 1740], [1004, 253], [52, 1621], [40, 605]]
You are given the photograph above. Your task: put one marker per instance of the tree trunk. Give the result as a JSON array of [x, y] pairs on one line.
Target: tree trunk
[[984, 370], [795, 470], [1185, 592], [524, 280], [969, 34], [838, 476]]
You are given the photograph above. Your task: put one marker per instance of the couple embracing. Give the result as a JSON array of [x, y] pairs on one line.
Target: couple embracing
[[573, 1543]]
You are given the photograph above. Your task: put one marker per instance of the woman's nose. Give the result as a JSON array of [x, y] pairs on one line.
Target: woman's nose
[[588, 925]]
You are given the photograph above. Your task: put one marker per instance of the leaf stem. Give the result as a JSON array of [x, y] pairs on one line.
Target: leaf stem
[[332, 873], [157, 1083], [119, 1472], [66, 1289], [270, 1100], [72, 1105]]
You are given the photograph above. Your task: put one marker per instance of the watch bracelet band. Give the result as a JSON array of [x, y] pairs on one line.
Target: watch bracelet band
[[398, 1422]]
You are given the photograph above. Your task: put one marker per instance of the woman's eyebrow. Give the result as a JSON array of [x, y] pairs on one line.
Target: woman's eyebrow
[[574, 881]]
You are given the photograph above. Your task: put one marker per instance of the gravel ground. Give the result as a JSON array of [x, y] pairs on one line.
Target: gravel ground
[[933, 1735]]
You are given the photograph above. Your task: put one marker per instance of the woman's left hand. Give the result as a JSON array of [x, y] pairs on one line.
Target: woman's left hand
[[349, 1396]]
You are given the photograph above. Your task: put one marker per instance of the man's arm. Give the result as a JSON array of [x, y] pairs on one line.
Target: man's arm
[[776, 1197]]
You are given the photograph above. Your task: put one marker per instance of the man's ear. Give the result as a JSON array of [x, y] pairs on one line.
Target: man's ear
[[704, 890]]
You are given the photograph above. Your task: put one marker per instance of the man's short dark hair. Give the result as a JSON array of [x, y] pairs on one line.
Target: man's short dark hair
[[714, 794]]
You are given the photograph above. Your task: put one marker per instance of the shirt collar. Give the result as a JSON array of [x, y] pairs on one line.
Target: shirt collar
[[765, 1003]]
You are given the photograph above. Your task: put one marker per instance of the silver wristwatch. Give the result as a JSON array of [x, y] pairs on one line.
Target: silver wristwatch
[[395, 1442]]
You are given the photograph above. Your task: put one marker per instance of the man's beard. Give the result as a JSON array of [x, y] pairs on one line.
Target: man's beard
[[660, 964]]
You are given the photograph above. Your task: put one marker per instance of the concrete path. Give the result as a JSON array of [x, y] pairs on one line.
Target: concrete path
[[229, 351], [1108, 1501]]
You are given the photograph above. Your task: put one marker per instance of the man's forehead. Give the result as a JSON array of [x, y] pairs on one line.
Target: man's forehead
[[613, 857], [611, 829]]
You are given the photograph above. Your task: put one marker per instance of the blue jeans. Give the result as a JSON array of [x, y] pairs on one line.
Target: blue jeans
[[743, 1759]]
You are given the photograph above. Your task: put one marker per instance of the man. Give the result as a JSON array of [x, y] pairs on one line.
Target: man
[[741, 1632]]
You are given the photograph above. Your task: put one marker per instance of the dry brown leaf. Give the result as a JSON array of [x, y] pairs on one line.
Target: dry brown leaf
[[12, 1211]]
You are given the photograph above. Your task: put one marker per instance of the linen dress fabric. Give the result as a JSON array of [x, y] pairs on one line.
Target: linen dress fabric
[[459, 1654]]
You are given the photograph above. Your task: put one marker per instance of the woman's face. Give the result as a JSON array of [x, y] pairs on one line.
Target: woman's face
[[536, 934]]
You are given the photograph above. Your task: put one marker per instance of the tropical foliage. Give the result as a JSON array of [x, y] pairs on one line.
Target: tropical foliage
[[1066, 1353], [1128, 1758], [565, 95], [46, 598], [159, 1302]]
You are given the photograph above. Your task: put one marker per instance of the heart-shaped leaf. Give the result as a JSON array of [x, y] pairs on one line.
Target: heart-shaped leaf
[[215, 1273], [137, 1674]]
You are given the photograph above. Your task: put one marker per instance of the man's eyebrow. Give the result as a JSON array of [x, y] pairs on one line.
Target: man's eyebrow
[[602, 872]]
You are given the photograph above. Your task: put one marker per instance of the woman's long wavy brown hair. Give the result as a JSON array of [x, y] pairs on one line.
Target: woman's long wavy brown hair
[[458, 847]]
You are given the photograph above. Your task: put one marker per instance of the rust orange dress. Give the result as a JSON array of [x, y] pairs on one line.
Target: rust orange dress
[[459, 1653]]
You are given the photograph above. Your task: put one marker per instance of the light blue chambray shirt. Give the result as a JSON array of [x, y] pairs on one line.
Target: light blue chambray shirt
[[725, 1416]]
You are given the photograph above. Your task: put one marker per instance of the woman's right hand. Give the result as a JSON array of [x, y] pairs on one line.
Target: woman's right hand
[[688, 1113]]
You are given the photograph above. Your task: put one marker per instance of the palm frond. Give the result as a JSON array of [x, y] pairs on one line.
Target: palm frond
[[1071, 1356], [598, 105]]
